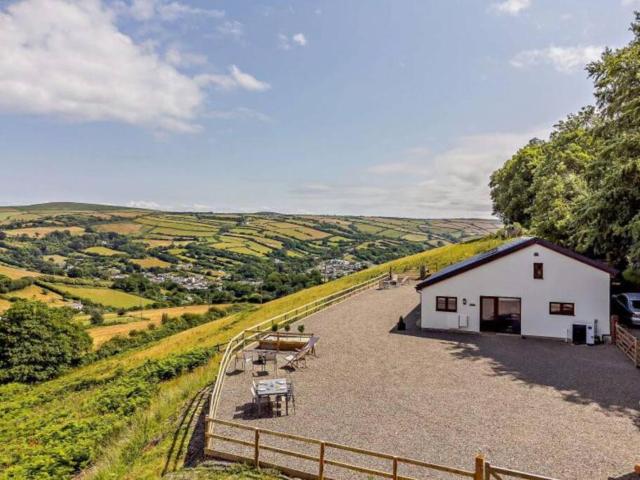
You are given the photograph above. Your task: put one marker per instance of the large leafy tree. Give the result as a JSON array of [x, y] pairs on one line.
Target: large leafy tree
[[559, 183], [611, 220], [38, 342], [511, 185]]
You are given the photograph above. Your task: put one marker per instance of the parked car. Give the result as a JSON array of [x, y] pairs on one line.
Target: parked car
[[627, 307]]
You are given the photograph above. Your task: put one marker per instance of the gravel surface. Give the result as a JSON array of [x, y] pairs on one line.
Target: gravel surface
[[535, 405]]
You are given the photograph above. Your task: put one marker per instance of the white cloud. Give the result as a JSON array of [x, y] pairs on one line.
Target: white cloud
[[286, 43], [144, 10], [452, 182], [628, 3], [68, 59], [511, 7], [179, 58], [234, 80], [231, 28], [563, 59], [299, 39]]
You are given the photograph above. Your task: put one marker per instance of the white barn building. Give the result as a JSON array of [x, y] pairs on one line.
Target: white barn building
[[528, 286]]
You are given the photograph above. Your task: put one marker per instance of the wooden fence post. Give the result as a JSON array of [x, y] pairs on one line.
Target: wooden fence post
[[487, 471], [256, 451], [479, 470], [395, 468], [321, 462]]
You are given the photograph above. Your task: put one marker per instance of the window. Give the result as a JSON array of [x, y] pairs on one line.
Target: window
[[447, 304], [538, 271], [561, 308]]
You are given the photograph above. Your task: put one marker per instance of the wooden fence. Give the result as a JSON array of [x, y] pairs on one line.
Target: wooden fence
[[628, 343], [325, 456]]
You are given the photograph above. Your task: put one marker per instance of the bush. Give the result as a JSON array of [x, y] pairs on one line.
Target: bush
[[274, 327], [287, 327], [301, 328], [96, 317], [38, 342]]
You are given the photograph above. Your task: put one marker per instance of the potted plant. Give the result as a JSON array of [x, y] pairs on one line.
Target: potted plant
[[301, 328], [274, 327], [287, 327]]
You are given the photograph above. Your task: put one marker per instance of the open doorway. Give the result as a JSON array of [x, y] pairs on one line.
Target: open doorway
[[500, 314]]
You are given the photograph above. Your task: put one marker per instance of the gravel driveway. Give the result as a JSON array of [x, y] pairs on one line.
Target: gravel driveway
[[534, 405]]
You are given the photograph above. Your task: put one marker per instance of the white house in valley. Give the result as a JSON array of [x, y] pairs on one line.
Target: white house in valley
[[529, 287]]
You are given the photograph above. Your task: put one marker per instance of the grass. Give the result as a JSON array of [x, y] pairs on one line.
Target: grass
[[4, 305], [15, 273], [137, 320], [103, 251], [124, 228], [57, 259], [34, 292], [104, 296], [150, 262], [153, 437]]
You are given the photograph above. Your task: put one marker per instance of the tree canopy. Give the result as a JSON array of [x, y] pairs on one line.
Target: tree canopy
[[581, 187], [38, 342]]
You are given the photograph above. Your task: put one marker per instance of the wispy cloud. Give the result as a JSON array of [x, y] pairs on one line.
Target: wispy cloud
[[511, 7], [235, 79], [231, 28], [562, 59], [179, 58], [286, 43], [299, 39], [143, 10], [422, 183]]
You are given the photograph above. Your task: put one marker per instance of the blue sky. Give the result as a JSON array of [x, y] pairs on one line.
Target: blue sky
[[399, 108]]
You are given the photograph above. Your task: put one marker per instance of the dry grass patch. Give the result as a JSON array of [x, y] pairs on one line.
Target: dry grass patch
[[34, 292], [125, 228], [14, 272], [150, 262]]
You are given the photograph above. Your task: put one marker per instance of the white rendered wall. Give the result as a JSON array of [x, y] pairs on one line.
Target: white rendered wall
[[565, 280]]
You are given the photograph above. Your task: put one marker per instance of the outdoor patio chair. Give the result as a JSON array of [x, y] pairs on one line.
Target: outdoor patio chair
[[258, 401], [270, 357], [295, 360], [287, 398], [242, 358], [311, 344]]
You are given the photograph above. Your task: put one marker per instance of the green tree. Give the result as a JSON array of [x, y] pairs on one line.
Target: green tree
[[559, 185], [96, 317], [511, 186], [38, 342], [610, 223]]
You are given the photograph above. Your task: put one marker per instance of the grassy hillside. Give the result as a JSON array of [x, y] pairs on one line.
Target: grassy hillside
[[125, 416], [195, 258]]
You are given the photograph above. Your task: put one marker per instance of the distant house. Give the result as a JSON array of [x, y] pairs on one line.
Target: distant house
[[528, 286]]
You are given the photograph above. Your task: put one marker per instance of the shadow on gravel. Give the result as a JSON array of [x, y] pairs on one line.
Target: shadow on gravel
[[581, 374]]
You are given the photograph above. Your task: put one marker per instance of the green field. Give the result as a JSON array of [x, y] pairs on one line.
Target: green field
[[103, 251], [103, 296]]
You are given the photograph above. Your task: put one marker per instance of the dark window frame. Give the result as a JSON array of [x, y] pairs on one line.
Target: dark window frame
[[538, 271], [562, 311], [447, 308]]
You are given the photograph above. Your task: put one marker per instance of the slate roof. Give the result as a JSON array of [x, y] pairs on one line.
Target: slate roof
[[506, 249]]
